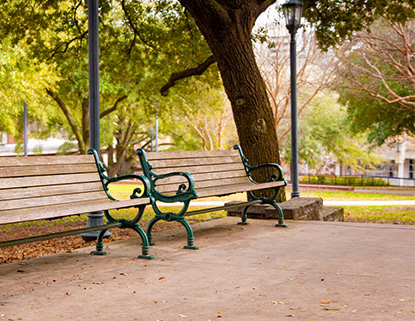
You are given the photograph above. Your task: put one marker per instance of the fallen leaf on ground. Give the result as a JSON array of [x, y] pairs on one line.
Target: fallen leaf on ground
[[330, 309]]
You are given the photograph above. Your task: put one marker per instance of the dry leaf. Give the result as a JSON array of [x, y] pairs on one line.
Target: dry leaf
[[161, 278], [330, 309], [322, 302]]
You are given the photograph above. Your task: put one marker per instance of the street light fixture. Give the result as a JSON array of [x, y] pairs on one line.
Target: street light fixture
[[293, 10]]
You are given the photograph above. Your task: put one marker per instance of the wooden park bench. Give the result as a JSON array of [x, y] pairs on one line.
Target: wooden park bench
[[50, 187], [181, 176]]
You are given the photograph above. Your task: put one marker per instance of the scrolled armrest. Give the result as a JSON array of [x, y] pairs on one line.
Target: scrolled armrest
[[248, 168], [184, 192], [137, 192], [273, 177]]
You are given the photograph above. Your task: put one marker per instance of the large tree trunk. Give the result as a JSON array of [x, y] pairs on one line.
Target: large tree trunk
[[227, 29]]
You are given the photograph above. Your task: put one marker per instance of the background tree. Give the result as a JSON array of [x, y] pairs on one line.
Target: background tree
[[140, 45], [327, 139], [377, 74], [315, 70]]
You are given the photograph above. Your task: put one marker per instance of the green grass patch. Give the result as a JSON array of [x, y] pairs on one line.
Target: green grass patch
[[345, 195], [380, 214]]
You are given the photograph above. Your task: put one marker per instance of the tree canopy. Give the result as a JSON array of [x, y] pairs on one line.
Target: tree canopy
[[377, 80]]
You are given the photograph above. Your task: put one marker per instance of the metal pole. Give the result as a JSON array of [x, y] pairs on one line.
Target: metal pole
[[96, 218], [93, 41], [294, 130], [25, 129], [157, 132]]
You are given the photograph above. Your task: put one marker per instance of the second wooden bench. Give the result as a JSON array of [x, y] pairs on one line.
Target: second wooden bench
[[181, 176]]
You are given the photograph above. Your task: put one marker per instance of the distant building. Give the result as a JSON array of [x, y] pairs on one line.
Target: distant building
[[399, 166]]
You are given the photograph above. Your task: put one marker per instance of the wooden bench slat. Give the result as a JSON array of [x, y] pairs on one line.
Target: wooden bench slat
[[189, 162], [215, 176], [205, 184], [48, 180], [152, 156], [35, 170], [229, 189], [46, 160], [22, 193], [62, 210], [51, 200], [203, 168]]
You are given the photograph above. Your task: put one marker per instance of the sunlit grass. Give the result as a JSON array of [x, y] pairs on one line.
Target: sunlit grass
[[388, 214], [344, 195]]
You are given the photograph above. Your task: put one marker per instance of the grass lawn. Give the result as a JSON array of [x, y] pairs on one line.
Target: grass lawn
[[380, 214]]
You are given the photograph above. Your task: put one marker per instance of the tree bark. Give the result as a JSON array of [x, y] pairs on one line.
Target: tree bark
[[227, 29]]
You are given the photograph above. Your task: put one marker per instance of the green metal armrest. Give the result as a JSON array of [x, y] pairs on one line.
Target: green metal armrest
[[249, 168], [185, 191], [137, 192]]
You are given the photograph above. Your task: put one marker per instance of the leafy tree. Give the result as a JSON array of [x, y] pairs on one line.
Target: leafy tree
[[206, 121], [377, 80], [20, 80], [140, 45]]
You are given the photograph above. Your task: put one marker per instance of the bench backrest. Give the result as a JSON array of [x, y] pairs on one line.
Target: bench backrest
[[33, 187], [210, 169]]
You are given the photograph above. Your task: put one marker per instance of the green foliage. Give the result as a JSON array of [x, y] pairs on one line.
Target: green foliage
[[141, 45], [324, 134], [336, 21], [376, 81]]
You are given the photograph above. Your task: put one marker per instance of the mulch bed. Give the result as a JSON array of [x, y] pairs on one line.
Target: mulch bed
[[62, 244]]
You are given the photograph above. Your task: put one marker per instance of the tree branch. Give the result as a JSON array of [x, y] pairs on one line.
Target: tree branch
[[71, 121], [113, 108], [197, 71]]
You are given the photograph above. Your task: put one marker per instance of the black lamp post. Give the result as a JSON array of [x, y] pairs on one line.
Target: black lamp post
[[95, 218], [293, 10]]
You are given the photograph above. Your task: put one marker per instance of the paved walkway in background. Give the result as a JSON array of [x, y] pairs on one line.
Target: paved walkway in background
[[308, 271]]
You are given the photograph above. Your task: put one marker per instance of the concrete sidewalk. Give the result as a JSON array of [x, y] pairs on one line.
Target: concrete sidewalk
[[309, 271]]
